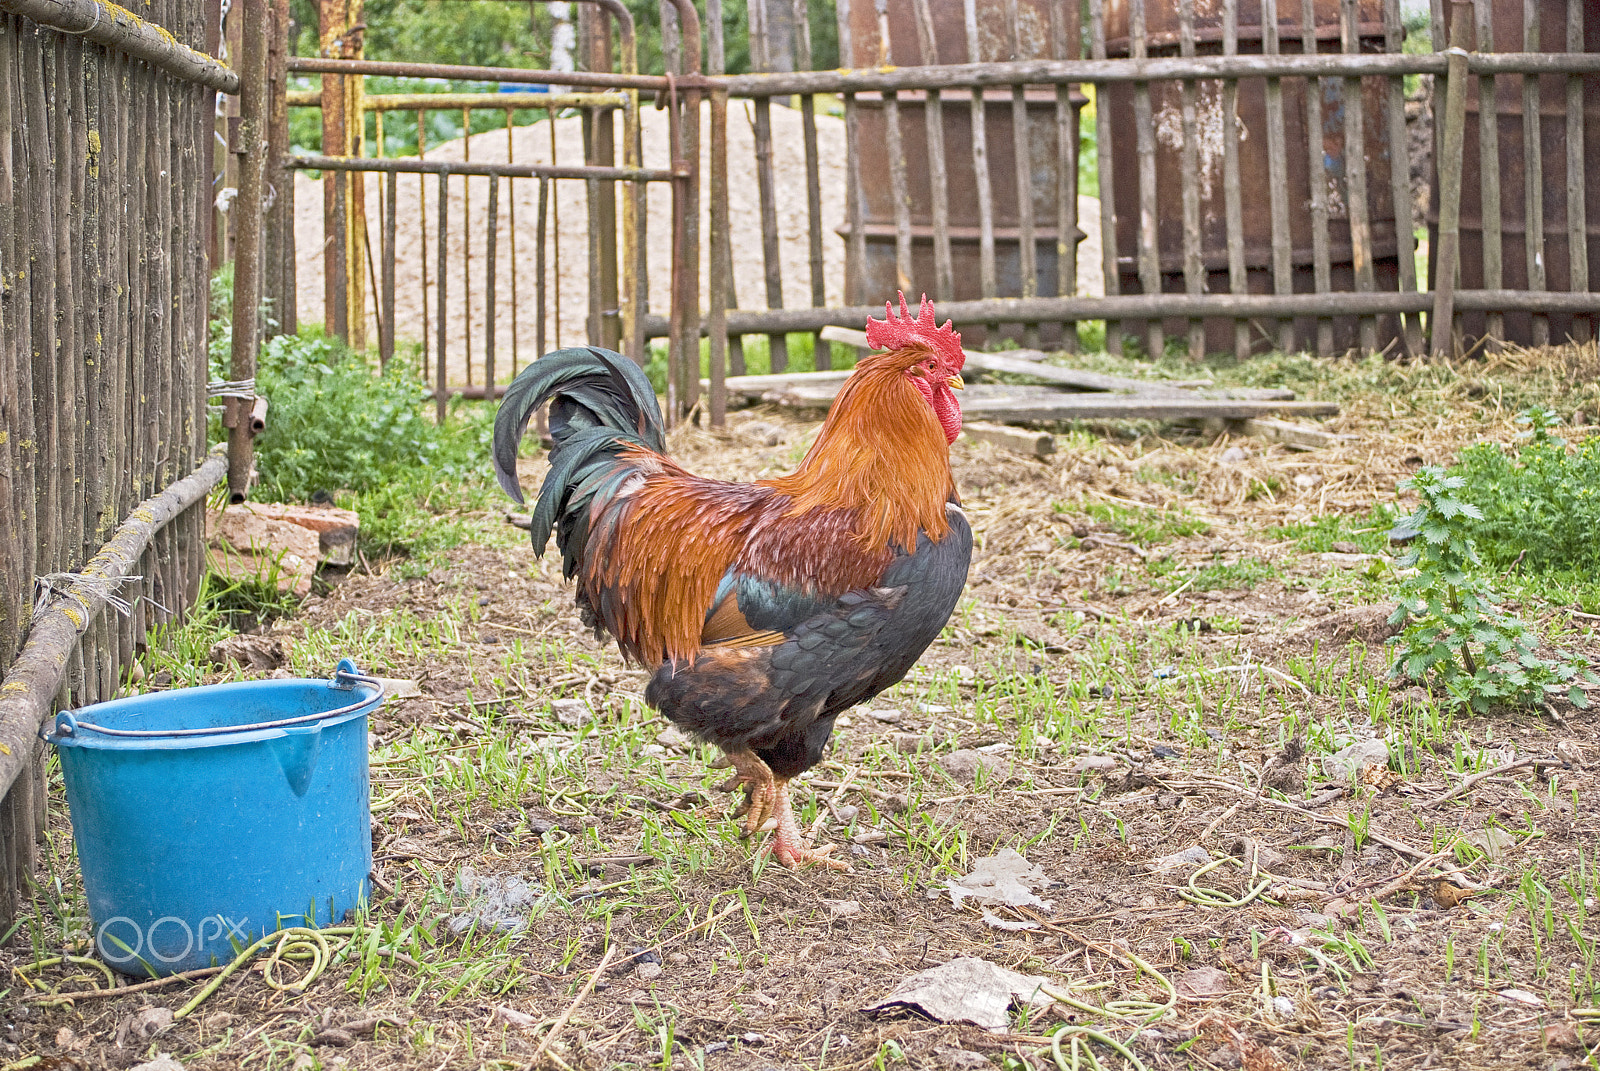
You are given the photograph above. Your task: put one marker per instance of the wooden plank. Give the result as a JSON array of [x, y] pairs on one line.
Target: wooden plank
[[1400, 176], [1278, 177], [1105, 175], [1293, 435], [987, 279], [1022, 157], [1355, 173], [1321, 269], [1066, 46], [771, 257], [1194, 273], [1149, 253], [717, 270], [899, 195], [1577, 211], [1489, 170], [987, 403], [938, 181], [1441, 324], [1233, 209], [1018, 441], [820, 355], [1532, 169]]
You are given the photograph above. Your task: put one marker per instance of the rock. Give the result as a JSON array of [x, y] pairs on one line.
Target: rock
[[911, 743], [870, 836], [648, 972], [963, 765], [1569, 752], [1088, 763], [143, 1025], [164, 1062], [572, 712], [843, 909], [248, 546], [1191, 857], [1369, 624], [886, 716], [1233, 455], [247, 652], [677, 959], [335, 1038], [674, 739], [1349, 762], [962, 1059], [1202, 983], [1307, 480], [516, 1018], [1561, 1035], [337, 529]]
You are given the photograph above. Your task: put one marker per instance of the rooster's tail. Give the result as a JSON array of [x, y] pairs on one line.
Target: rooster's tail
[[601, 404]]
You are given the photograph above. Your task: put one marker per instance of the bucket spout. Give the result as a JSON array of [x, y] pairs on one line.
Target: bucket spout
[[296, 751]]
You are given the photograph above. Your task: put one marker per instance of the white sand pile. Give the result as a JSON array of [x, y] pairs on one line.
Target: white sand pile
[[568, 237]]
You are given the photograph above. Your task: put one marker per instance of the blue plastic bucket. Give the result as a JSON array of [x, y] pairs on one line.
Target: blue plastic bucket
[[207, 817]]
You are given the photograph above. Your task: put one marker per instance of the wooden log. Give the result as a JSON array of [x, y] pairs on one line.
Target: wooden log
[[1296, 436], [1488, 172], [717, 312], [1577, 210], [120, 29], [938, 181], [988, 284], [1441, 323], [1106, 175], [1400, 177], [1233, 209], [1194, 273], [1018, 441], [1022, 153], [1532, 167], [1149, 248], [1321, 270], [820, 355], [1278, 177], [1066, 45], [247, 244], [1355, 171], [990, 403]]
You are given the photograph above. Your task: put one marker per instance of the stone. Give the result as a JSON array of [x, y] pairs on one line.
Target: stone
[[963, 765], [245, 545], [1349, 762]]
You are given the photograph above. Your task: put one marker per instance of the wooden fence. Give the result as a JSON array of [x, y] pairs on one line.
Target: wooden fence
[[106, 123]]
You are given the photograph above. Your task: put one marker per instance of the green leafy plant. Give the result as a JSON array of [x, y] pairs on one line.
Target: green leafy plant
[[1456, 632]]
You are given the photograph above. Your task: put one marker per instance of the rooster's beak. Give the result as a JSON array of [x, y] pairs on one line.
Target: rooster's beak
[[956, 382]]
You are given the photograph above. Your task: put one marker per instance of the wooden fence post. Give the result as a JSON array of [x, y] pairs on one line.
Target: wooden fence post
[[1440, 324]]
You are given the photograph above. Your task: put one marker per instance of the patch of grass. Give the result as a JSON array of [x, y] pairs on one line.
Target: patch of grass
[[1146, 526], [1217, 575], [1368, 532]]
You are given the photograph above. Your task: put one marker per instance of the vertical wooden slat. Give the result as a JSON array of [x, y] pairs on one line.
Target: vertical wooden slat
[[1189, 184], [898, 193], [821, 352], [1233, 209], [1022, 161], [68, 450], [938, 181], [717, 270], [1355, 172], [855, 212], [1149, 254], [1400, 175], [988, 285], [1322, 273], [13, 347], [1064, 47], [596, 318], [1441, 323], [48, 495], [441, 395], [1533, 170], [1108, 195], [1278, 177], [1489, 170], [1577, 211], [716, 63], [771, 254]]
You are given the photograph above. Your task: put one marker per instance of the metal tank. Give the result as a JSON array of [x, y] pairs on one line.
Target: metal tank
[[1162, 30], [877, 276]]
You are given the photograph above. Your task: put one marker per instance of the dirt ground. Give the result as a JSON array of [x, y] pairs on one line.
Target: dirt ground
[[1421, 917]]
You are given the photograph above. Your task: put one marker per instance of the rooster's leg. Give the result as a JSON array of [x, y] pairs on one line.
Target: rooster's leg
[[761, 791], [789, 844]]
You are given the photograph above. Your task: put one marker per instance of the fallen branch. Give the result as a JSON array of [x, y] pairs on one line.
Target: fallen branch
[[566, 1016], [1515, 764]]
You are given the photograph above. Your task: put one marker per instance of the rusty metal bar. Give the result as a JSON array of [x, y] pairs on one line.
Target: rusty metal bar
[[386, 334], [1355, 172], [422, 253], [1022, 157], [1441, 325], [441, 395], [1489, 171], [120, 29], [491, 242], [555, 230], [511, 235], [1148, 306], [466, 239], [1400, 178], [988, 283], [247, 244], [1194, 273], [1532, 169], [1233, 210], [1108, 198], [539, 267], [596, 317], [408, 165], [1577, 210], [1149, 252], [456, 72], [1321, 269], [411, 102]]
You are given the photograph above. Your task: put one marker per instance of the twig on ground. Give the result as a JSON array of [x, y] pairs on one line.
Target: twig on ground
[[1466, 785], [566, 1016], [137, 987]]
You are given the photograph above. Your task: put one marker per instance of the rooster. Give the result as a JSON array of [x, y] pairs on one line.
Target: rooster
[[764, 609]]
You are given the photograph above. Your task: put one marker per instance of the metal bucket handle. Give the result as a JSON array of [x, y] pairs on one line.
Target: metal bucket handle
[[345, 676]]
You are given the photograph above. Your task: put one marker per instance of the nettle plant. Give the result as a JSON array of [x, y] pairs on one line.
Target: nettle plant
[[1456, 633]]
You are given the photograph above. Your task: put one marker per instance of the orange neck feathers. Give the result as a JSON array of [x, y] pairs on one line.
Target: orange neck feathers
[[882, 454]]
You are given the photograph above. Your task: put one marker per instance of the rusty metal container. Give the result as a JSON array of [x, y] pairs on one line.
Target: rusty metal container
[[1507, 27], [877, 277], [1162, 29]]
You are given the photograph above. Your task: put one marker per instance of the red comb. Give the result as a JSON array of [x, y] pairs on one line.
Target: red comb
[[896, 332]]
